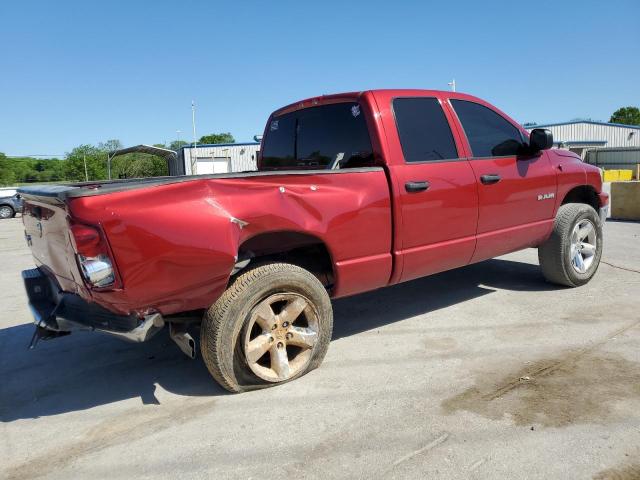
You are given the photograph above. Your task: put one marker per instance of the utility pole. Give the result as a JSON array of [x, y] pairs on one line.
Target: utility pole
[[194, 150], [86, 175], [452, 84]]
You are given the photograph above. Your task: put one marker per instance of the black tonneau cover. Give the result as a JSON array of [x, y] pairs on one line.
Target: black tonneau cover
[[86, 189]]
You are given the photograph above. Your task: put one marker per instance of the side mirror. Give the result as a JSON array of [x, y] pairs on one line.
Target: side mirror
[[540, 139]]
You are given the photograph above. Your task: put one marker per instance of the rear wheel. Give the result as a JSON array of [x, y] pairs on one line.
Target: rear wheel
[[272, 325], [6, 211], [572, 254]]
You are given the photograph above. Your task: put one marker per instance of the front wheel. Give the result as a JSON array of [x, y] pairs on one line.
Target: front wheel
[[6, 211], [272, 325], [572, 254]]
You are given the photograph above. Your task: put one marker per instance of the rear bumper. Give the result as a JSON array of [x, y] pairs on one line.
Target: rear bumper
[[62, 312]]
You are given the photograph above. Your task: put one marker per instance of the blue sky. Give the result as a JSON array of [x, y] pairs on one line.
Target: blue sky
[[76, 72]]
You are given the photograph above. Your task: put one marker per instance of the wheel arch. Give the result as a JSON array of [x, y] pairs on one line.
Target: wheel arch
[[298, 248], [582, 194]]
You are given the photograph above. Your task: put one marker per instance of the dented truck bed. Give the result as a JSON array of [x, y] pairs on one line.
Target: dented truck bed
[[174, 241]]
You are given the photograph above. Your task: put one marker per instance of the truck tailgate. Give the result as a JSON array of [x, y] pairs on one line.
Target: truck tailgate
[[46, 224]]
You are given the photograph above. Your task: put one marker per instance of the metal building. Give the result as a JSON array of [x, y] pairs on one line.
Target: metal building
[[615, 159], [583, 135], [218, 158]]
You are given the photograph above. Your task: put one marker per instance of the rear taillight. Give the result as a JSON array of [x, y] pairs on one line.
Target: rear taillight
[[93, 256]]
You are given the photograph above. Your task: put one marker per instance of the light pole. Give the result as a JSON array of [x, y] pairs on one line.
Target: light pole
[[194, 150], [452, 84]]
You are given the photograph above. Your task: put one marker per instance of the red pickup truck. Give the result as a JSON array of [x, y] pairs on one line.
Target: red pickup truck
[[353, 192]]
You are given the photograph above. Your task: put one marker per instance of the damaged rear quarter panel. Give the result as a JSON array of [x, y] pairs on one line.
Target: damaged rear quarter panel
[[175, 245], [172, 249]]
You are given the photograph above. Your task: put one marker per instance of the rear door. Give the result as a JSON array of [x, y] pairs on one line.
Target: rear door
[[516, 193], [438, 200]]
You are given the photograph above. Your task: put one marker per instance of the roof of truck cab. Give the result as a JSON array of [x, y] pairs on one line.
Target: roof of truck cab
[[421, 92], [399, 92], [321, 99]]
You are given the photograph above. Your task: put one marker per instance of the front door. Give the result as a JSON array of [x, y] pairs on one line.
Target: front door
[[437, 191], [516, 193]]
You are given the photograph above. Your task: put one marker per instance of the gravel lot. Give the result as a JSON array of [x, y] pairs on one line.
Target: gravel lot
[[483, 372]]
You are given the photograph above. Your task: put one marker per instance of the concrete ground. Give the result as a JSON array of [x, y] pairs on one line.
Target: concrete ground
[[483, 372]]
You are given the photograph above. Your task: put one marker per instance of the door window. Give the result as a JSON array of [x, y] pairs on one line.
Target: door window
[[423, 129], [489, 134]]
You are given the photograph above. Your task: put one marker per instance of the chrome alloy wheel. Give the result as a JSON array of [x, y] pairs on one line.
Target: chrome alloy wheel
[[280, 336], [583, 245]]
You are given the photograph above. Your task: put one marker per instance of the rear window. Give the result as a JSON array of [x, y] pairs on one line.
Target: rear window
[[424, 131], [329, 136]]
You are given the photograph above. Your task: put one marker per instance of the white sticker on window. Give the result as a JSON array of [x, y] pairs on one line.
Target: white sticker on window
[[355, 110], [274, 125], [339, 156]]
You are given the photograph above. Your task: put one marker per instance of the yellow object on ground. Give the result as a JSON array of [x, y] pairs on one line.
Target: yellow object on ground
[[617, 175], [626, 175], [610, 175]]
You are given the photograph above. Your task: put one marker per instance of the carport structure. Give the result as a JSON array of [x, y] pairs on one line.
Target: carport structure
[[170, 156]]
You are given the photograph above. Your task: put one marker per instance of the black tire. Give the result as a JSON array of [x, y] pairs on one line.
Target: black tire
[[6, 211], [225, 323], [555, 254]]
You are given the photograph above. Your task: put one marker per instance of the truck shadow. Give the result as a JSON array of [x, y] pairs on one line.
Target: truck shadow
[[371, 310], [85, 370]]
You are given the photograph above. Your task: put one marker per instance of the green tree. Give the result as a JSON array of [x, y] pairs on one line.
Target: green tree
[[28, 170], [96, 163], [137, 165], [7, 175], [626, 115], [110, 145], [56, 170], [177, 145], [23, 169], [217, 138]]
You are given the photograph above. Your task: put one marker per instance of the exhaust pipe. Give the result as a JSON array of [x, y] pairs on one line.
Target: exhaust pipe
[[185, 342]]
